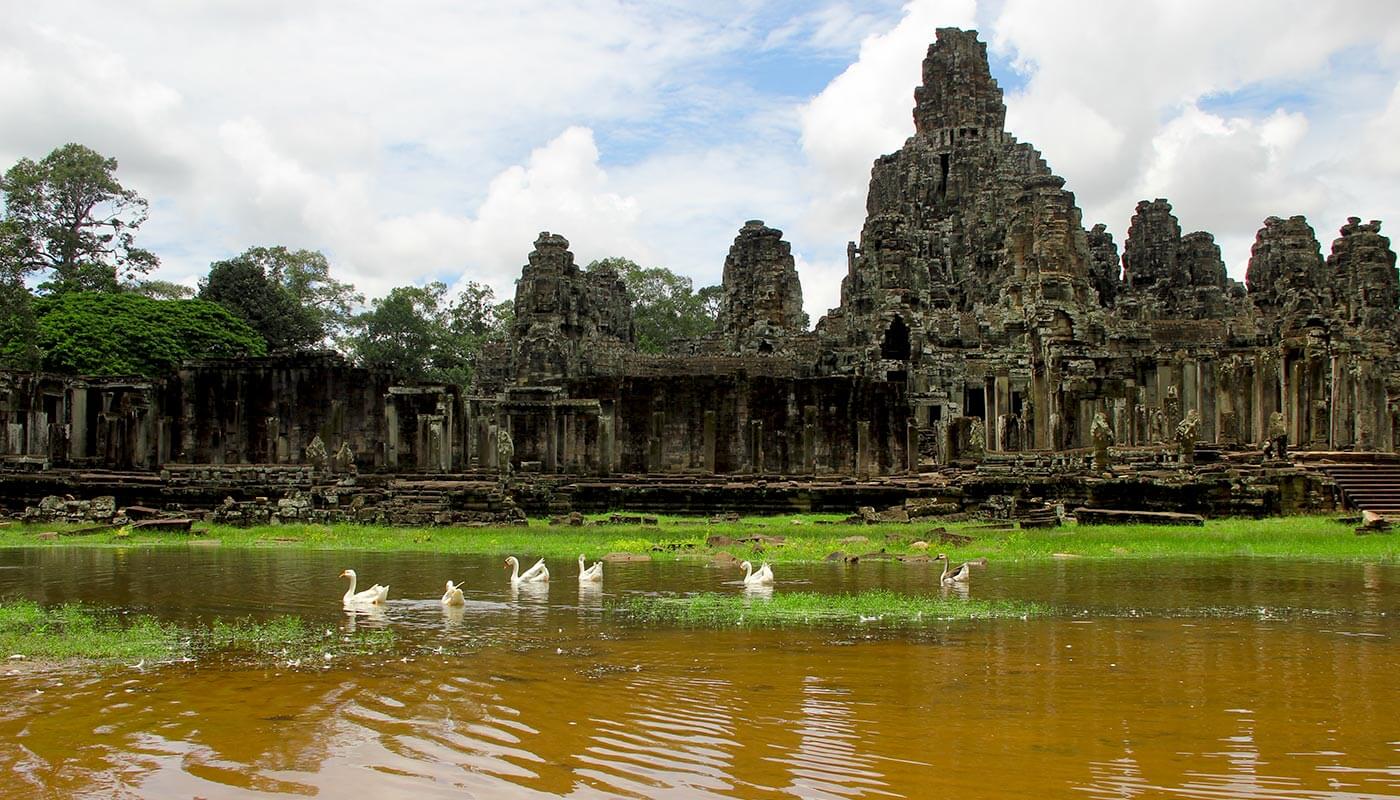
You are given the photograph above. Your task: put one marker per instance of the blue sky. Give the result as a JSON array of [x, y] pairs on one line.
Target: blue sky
[[434, 140]]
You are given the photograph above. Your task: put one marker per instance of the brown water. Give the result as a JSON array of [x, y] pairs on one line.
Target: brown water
[[1228, 678]]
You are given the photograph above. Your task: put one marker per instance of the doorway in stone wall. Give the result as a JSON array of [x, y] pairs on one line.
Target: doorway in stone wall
[[895, 346]]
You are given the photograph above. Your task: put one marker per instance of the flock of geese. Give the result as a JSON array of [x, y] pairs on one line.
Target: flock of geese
[[539, 573]]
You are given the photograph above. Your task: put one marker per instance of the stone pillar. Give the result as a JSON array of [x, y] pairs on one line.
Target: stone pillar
[[756, 445], [77, 440], [391, 434], [551, 442], [708, 442], [1190, 399], [863, 449], [1321, 403], [1343, 418], [187, 431], [656, 450], [911, 446], [809, 439], [566, 445], [485, 443], [605, 444], [1001, 393]]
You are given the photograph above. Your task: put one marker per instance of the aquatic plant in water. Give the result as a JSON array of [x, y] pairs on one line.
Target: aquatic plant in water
[[79, 632], [809, 609]]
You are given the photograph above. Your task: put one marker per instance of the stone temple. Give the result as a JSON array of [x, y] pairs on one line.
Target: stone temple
[[987, 343]]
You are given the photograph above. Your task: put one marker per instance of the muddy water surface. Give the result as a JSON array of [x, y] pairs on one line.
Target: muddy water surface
[[1231, 678]]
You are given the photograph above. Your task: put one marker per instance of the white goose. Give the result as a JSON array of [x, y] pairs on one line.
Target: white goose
[[536, 574], [453, 595], [593, 573], [373, 596], [764, 576]]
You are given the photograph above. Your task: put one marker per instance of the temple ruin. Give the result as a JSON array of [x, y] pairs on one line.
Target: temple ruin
[[985, 336]]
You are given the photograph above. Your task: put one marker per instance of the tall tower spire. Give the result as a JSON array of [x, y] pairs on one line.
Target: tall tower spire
[[958, 89]]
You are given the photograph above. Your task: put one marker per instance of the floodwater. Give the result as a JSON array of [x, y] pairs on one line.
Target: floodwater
[[1200, 679]]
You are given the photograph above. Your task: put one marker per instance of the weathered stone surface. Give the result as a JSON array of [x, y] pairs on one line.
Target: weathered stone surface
[[1363, 265], [1169, 274], [1105, 266], [1286, 276], [562, 313], [761, 307]]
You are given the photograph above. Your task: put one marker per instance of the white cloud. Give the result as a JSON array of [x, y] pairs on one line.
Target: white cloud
[[1116, 93], [436, 141], [561, 189], [866, 112]]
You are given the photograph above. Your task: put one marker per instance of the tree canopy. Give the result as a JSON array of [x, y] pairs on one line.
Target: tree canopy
[[19, 330], [422, 335], [287, 296], [666, 308], [67, 215], [122, 333]]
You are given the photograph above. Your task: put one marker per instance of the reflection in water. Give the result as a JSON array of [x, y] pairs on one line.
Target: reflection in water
[[452, 616], [536, 594], [590, 595], [961, 591], [365, 616], [1243, 679], [758, 592]]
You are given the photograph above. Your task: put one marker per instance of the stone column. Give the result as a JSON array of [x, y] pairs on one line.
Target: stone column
[[391, 434], [605, 444], [809, 439], [1001, 394], [708, 442], [566, 444], [656, 450], [911, 446], [188, 414], [551, 442], [77, 440], [756, 445], [1322, 407], [863, 449], [485, 443]]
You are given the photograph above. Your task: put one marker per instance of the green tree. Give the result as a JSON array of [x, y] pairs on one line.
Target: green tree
[[306, 276], [242, 286], [404, 332], [162, 290], [422, 335], [19, 329], [665, 306], [123, 333], [69, 216]]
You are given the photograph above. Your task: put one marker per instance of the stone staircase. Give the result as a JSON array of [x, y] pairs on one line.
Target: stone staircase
[[1368, 487]]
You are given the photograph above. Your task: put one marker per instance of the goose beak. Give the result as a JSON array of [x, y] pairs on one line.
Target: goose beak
[[345, 573]]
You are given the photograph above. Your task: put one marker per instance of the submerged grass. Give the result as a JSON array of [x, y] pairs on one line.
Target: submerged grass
[[807, 609], [807, 538], [71, 631], [78, 632]]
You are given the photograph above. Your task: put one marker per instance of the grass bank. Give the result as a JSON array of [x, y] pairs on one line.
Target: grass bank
[[805, 538], [806, 609], [77, 632]]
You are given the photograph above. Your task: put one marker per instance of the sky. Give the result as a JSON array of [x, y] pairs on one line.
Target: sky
[[434, 139]]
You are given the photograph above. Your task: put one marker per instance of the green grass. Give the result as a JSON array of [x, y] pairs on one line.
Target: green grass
[[1312, 537], [78, 632], [806, 609], [71, 631]]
